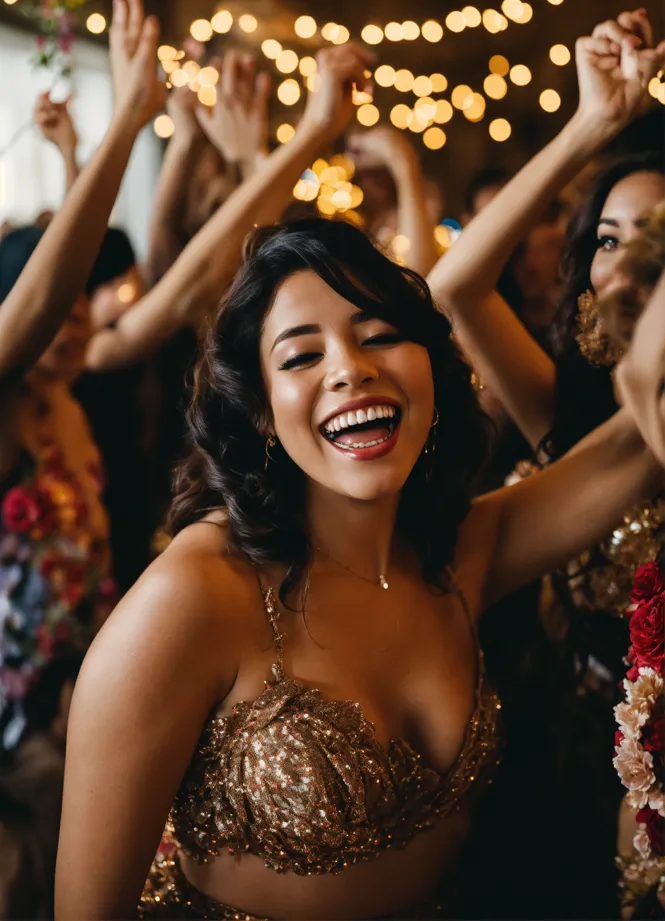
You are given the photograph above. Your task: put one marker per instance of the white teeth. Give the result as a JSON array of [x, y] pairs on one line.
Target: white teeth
[[379, 412], [361, 416], [344, 422], [337, 425], [371, 415], [352, 419]]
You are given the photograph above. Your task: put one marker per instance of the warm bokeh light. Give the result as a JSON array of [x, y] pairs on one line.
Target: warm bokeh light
[[341, 199], [307, 66], [191, 68], [95, 23], [166, 53], [417, 125], [495, 86], [422, 86], [439, 83], [444, 112], [432, 31], [10, 2], [526, 15], [410, 30], [367, 115], [461, 96], [288, 92], [127, 293], [286, 62], [550, 100], [201, 30], [180, 78], [494, 22], [361, 98], [384, 75], [394, 32], [372, 35], [500, 129], [520, 75], [170, 67], [499, 65], [425, 109], [555, 2], [357, 196], [305, 27], [512, 9], [559, 55], [340, 36], [434, 138], [404, 81], [472, 17], [455, 21], [207, 95], [329, 30], [475, 110], [284, 133], [222, 22], [313, 83], [401, 245], [248, 23], [208, 76], [271, 48], [401, 116], [164, 126]]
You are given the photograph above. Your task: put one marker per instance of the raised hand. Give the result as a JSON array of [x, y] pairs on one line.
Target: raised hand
[[381, 147], [330, 109], [237, 124], [614, 66], [182, 105], [55, 123], [139, 94]]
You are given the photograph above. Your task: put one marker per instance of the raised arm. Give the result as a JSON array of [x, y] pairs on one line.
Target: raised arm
[[55, 123], [196, 282], [387, 148], [57, 272], [614, 66], [547, 519]]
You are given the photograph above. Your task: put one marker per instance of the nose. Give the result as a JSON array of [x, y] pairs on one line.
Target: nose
[[350, 369]]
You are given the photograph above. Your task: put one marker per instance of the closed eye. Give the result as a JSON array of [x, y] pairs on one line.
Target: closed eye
[[384, 339], [299, 361]]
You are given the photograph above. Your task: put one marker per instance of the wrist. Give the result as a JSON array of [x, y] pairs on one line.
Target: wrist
[[589, 132]]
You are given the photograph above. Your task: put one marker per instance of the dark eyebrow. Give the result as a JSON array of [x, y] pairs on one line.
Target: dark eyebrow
[[361, 316], [305, 330], [609, 221]]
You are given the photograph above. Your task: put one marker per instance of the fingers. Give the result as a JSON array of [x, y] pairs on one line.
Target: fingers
[[120, 16], [149, 36], [262, 88], [638, 23], [229, 77], [612, 31], [134, 24]]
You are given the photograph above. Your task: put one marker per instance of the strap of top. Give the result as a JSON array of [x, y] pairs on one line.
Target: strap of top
[[455, 588], [273, 615]]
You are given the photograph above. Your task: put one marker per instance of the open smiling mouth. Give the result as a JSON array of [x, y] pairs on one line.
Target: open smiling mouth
[[366, 433]]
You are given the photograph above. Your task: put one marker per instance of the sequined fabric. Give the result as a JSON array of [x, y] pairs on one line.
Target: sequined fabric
[[303, 783]]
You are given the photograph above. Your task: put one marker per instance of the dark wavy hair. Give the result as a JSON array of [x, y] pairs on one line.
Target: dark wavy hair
[[585, 394], [229, 410]]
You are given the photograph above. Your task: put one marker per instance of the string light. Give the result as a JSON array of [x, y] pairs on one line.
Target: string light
[[439, 83], [201, 30], [520, 75], [425, 110], [499, 65], [384, 75], [417, 125], [394, 32], [271, 48], [305, 27], [284, 133], [222, 22], [401, 116], [95, 23], [248, 23], [550, 100], [372, 35], [286, 62], [191, 69], [208, 76], [164, 127], [207, 95], [444, 112], [500, 129], [512, 9], [495, 86], [288, 92], [472, 17], [434, 138], [559, 55], [307, 66], [556, 2], [526, 14], [367, 115], [410, 30], [404, 81], [179, 78], [401, 245], [461, 96], [475, 110], [422, 86], [341, 36], [431, 31], [455, 21], [170, 67], [166, 53]]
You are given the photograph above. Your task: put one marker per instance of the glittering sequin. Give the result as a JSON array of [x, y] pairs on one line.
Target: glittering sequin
[[303, 782]]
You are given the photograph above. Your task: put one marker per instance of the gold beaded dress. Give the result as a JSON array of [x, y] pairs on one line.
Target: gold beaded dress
[[302, 782]]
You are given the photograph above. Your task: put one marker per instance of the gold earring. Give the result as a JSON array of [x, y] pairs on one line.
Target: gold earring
[[430, 444], [271, 441], [591, 337], [436, 418]]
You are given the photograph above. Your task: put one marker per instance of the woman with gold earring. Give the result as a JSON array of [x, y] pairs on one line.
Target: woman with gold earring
[[557, 398]]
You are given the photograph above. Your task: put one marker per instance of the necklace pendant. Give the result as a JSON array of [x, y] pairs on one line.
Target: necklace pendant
[[383, 582]]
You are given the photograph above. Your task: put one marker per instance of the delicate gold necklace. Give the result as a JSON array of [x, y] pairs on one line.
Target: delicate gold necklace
[[383, 582]]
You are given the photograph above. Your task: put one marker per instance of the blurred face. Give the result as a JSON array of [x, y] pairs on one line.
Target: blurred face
[[110, 301], [628, 204], [64, 359], [352, 401]]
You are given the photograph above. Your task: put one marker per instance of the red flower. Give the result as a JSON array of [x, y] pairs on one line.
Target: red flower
[[632, 674], [648, 583], [653, 735], [618, 738], [21, 510], [654, 824], [647, 633]]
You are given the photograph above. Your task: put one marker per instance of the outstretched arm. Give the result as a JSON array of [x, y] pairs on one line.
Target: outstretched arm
[[614, 65], [197, 280], [57, 272], [55, 123]]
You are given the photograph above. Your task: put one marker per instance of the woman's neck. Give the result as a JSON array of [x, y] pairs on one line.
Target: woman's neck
[[358, 534]]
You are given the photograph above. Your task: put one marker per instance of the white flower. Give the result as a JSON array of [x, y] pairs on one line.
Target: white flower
[[657, 800], [637, 799], [643, 693], [634, 766], [641, 842], [630, 720]]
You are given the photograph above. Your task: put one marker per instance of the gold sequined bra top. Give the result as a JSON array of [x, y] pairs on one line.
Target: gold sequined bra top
[[303, 783]]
